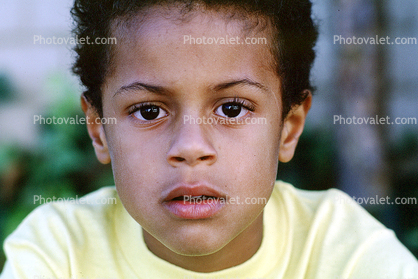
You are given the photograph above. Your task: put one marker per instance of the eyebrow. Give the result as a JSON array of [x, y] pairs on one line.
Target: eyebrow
[[245, 81], [161, 90], [141, 86]]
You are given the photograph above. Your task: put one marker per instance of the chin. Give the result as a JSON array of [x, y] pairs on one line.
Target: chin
[[201, 245], [193, 250]]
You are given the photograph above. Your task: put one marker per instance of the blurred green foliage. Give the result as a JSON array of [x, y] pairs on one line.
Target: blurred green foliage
[[6, 88], [63, 164], [404, 158], [314, 165]]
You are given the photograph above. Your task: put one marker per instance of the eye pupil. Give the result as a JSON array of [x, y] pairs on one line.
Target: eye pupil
[[150, 112], [231, 110]]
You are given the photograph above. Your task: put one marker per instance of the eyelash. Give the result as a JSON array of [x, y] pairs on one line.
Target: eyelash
[[137, 107], [244, 103]]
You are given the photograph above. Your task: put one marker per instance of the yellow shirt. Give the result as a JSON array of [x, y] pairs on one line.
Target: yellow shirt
[[307, 234]]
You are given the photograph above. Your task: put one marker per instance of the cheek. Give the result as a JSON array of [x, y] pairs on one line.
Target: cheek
[[135, 164], [262, 146], [132, 153], [252, 159]]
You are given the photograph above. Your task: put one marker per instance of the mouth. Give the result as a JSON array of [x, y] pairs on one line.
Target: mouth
[[197, 202], [195, 199]]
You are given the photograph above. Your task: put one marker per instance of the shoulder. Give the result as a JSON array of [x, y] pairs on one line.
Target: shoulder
[[338, 234], [96, 206], [332, 205], [61, 216], [53, 232]]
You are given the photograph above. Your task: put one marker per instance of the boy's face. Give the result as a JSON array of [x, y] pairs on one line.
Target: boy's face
[[159, 154]]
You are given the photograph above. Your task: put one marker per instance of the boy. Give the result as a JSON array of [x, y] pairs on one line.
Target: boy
[[200, 130]]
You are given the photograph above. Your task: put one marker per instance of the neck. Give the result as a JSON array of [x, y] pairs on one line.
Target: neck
[[236, 252]]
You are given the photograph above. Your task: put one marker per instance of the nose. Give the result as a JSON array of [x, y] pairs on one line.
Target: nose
[[191, 146]]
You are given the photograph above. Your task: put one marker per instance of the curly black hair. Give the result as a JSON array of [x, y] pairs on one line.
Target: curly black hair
[[294, 37]]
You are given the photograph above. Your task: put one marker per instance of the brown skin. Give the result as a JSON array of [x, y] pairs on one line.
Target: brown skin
[[149, 157]]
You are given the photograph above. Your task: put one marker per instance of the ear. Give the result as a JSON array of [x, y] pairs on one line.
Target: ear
[[96, 131], [293, 128]]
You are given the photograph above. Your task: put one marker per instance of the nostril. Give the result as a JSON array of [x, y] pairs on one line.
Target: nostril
[[179, 159], [204, 158]]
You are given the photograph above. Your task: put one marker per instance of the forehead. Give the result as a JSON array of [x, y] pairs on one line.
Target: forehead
[[167, 44], [176, 15]]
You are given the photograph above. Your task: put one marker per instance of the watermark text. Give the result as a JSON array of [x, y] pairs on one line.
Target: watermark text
[[353, 40], [227, 40], [41, 40], [39, 199], [224, 121], [223, 200], [39, 119], [376, 120], [376, 200]]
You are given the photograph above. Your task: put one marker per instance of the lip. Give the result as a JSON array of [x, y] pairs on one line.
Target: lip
[[199, 201]]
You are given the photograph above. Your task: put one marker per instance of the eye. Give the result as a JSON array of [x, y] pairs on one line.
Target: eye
[[234, 109], [148, 112]]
